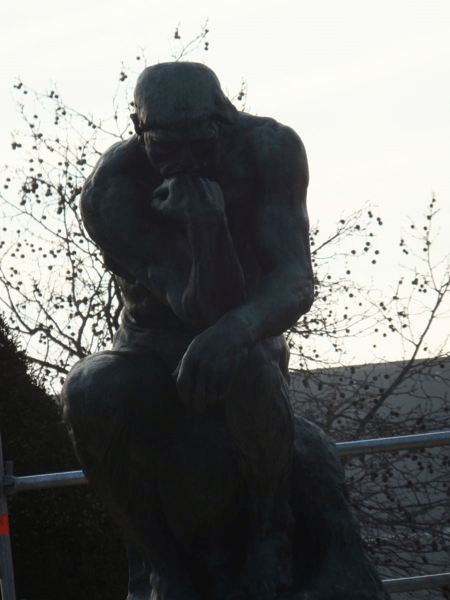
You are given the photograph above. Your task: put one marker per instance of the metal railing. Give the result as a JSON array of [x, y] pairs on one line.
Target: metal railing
[[10, 484]]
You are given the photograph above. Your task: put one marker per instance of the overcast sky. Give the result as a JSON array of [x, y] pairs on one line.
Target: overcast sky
[[366, 84]]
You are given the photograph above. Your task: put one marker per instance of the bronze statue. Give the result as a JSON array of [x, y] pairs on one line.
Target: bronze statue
[[184, 428]]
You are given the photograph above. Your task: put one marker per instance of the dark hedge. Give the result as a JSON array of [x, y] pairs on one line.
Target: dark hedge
[[64, 545]]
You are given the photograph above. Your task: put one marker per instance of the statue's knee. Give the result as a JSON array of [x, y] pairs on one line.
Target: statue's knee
[[112, 388], [73, 393], [86, 387]]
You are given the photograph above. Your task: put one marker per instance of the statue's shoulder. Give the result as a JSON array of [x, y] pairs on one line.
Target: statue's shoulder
[[112, 187], [272, 145], [117, 170], [124, 159]]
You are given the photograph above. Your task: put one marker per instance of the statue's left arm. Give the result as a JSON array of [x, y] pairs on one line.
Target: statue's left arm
[[280, 240]]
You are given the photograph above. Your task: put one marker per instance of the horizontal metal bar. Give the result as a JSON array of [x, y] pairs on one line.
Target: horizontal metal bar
[[48, 480], [17, 484], [404, 442], [422, 582]]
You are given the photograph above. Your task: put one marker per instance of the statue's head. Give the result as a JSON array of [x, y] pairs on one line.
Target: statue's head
[[180, 108]]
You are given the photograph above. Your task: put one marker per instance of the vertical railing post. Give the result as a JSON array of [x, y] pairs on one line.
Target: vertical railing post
[[6, 566]]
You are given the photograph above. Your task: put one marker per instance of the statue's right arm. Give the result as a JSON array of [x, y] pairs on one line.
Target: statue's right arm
[[174, 241], [137, 244]]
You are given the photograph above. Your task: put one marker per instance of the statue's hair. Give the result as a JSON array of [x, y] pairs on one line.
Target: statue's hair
[[169, 95]]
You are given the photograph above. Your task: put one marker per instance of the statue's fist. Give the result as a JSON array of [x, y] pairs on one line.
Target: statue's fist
[[184, 197]]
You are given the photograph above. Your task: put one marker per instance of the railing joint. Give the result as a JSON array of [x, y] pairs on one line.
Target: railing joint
[[8, 484]]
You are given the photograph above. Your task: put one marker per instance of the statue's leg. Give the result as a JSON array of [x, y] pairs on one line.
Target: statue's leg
[[260, 420], [121, 410], [139, 587], [330, 560]]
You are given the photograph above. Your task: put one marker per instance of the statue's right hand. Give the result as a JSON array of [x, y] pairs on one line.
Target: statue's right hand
[[185, 197]]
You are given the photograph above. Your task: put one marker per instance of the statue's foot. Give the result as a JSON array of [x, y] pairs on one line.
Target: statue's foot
[[141, 595], [140, 589], [172, 589], [267, 573]]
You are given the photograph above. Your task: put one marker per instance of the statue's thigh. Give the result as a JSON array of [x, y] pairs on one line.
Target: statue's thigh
[[117, 395]]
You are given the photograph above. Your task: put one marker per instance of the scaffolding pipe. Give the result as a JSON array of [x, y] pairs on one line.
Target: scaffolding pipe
[[422, 582], [48, 480], [405, 442]]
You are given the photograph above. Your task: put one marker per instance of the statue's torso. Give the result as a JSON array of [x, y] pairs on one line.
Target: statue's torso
[[235, 176]]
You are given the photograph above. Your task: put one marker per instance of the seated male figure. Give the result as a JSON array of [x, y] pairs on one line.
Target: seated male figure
[[184, 428]]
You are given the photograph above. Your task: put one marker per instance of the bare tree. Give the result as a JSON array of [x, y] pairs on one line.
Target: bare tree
[[401, 498]]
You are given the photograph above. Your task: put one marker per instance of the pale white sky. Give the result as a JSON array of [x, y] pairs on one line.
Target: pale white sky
[[366, 83]]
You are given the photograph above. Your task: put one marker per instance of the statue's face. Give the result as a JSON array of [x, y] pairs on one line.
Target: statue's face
[[184, 150]]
